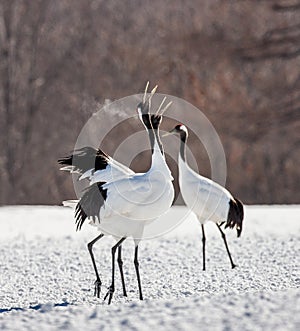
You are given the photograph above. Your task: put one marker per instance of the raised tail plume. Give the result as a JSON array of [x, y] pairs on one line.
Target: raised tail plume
[[235, 216]]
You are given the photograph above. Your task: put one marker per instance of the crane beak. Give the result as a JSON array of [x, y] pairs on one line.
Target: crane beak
[[148, 100], [152, 93], [145, 93], [145, 99], [165, 108], [163, 100], [169, 133]]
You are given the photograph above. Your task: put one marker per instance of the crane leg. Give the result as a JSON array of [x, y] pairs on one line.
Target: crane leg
[[120, 263], [98, 280], [203, 245], [226, 245], [111, 289], [136, 264]]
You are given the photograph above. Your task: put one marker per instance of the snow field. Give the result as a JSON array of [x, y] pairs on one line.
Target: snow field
[[47, 277]]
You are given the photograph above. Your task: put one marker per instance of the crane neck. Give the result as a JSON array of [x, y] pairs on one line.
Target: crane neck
[[153, 132], [152, 139], [156, 145], [160, 145], [183, 139]]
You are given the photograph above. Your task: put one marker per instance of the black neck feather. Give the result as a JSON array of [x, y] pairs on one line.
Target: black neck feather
[[183, 138], [152, 139]]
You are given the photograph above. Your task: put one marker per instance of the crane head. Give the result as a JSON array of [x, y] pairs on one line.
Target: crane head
[[143, 108], [155, 121], [179, 129]]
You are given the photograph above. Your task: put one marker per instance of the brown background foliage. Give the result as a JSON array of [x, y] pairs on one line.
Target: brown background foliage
[[238, 61]]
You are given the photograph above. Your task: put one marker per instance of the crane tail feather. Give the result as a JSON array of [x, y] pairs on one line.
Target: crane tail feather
[[235, 216]]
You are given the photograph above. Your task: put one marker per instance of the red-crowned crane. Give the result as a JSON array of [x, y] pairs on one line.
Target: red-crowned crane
[[206, 198], [118, 201]]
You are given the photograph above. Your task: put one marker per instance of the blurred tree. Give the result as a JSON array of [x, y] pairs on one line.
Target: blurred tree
[[37, 42], [282, 43], [22, 90], [60, 59], [280, 46]]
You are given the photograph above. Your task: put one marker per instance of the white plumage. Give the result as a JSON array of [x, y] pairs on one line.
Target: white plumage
[[138, 199], [207, 199], [114, 171]]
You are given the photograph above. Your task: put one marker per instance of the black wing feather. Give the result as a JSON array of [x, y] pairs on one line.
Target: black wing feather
[[86, 158], [89, 204]]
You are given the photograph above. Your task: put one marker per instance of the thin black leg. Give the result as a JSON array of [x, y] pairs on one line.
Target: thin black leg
[[227, 249], [203, 245], [98, 280], [136, 264], [111, 289], [120, 263]]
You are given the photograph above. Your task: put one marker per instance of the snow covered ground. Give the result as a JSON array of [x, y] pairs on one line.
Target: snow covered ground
[[46, 280]]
